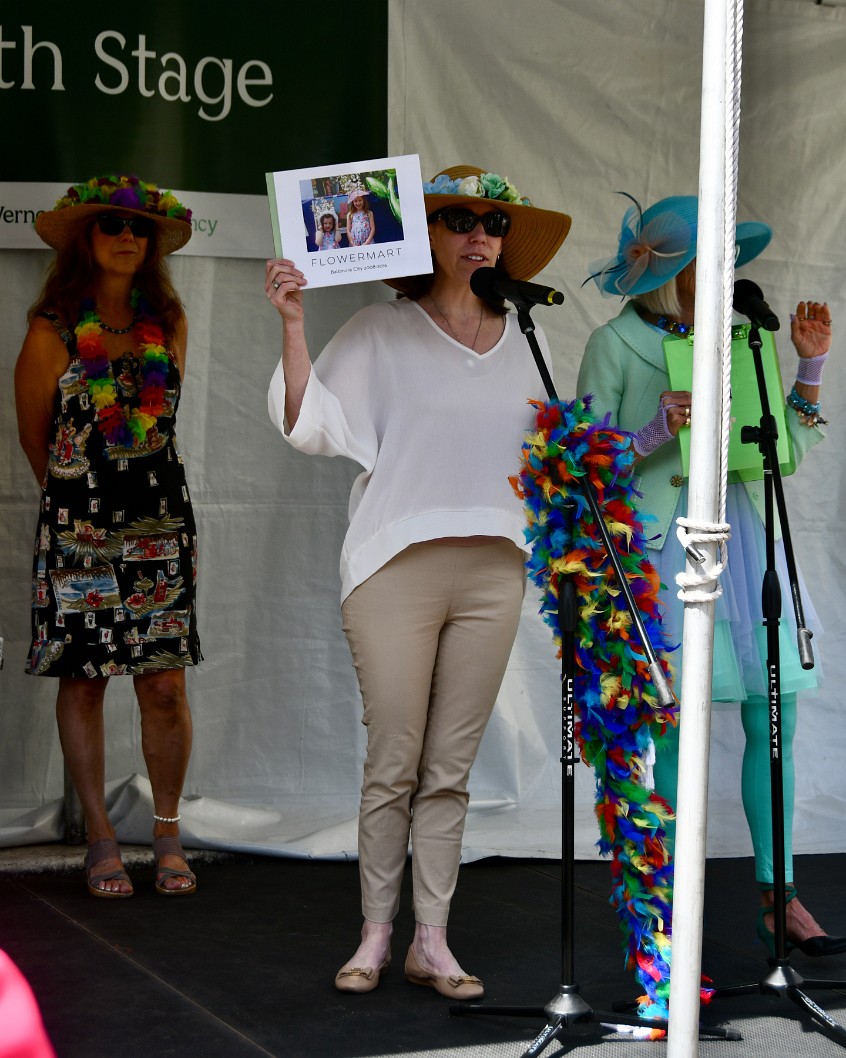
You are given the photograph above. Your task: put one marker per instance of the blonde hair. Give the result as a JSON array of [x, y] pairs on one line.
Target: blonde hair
[[664, 301]]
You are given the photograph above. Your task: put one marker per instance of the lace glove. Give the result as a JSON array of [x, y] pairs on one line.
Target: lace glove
[[654, 434], [810, 369]]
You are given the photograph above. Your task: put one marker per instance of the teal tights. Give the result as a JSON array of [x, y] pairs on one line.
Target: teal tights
[[754, 713]]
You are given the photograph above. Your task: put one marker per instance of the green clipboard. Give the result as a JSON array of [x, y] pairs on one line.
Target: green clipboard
[[744, 460]]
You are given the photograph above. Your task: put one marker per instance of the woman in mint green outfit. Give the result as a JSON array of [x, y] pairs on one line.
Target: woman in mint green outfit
[[625, 370]]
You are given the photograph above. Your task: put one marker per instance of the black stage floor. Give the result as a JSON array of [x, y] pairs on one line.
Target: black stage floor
[[245, 968]]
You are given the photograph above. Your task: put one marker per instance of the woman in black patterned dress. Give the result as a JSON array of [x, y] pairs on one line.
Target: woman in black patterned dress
[[97, 387]]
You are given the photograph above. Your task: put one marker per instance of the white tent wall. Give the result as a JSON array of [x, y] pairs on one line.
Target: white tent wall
[[573, 100]]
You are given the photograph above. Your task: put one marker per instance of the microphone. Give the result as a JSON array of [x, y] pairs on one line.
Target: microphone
[[749, 301], [491, 283]]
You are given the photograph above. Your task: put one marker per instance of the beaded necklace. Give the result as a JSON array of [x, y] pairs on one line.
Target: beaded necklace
[[122, 426], [666, 323], [118, 330]]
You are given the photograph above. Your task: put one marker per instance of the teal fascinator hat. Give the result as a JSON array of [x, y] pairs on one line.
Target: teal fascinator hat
[[657, 243]]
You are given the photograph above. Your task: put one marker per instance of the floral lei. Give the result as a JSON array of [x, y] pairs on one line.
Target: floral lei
[[618, 719], [120, 426]]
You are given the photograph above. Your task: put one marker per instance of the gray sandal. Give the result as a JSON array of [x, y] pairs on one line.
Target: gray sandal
[[169, 845], [105, 849]]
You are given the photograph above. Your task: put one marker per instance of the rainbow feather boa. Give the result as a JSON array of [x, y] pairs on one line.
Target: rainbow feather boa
[[618, 718]]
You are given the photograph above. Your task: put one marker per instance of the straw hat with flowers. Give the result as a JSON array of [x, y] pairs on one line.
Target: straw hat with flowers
[[535, 234], [59, 226]]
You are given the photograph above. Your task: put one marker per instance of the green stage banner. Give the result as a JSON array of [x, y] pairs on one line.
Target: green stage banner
[[196, 97]]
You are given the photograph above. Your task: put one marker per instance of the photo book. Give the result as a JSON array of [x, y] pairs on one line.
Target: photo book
[[352, 222]]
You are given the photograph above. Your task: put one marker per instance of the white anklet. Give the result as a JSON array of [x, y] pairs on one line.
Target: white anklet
[[167, 819]]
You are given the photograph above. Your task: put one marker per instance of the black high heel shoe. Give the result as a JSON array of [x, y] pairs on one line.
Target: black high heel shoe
[[814, 946]]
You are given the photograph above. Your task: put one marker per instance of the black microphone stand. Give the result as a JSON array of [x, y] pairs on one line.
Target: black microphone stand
[[567, 1007], [782, 979]]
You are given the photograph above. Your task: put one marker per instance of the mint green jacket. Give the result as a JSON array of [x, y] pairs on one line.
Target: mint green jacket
[[624, 368]]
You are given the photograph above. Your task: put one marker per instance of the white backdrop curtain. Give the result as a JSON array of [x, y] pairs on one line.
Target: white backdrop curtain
[[572, 100]]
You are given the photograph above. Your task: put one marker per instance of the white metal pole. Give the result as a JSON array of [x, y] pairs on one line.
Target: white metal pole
[[711, 332]]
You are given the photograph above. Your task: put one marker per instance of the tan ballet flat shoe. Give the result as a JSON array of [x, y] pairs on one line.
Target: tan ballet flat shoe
[[455, 986], [360, 978]]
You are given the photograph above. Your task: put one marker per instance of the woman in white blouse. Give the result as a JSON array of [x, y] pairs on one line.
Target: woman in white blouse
[[429, 394]]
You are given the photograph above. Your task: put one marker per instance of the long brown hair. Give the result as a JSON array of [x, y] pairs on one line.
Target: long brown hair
[[70, 279]]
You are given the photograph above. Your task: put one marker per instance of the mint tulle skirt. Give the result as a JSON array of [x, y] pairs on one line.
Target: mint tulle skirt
[[740, 646]]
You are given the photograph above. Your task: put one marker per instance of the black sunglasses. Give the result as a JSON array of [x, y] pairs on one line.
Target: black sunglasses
[[462, 221], [110, 224]]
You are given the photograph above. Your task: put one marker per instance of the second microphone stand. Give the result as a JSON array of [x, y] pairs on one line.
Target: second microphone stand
[[781, 980]]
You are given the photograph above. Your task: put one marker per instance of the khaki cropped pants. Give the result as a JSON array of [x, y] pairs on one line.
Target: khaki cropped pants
[[430, 635]]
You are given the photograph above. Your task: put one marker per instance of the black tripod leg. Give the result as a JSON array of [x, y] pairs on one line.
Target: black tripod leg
[[551, 1031], [823, 1020], [733, 991], [810, 982]]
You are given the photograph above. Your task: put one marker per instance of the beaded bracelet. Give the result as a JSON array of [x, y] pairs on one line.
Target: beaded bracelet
[[809, 414]]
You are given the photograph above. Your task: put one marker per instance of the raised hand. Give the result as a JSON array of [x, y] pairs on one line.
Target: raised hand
[[810, 329], [283, 283]]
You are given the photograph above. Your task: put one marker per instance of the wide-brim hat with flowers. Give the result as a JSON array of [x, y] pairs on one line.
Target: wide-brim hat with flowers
[[657, 243], [59, 226], [535, 235]]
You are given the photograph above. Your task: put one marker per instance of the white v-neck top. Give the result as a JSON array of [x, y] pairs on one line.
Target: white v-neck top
[[436, 428]]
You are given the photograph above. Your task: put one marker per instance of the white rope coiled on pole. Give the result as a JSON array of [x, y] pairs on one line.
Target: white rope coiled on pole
[[696, 587]]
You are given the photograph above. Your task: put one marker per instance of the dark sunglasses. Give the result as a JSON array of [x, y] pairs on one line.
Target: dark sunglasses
[[141, 227], [462, 221]]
